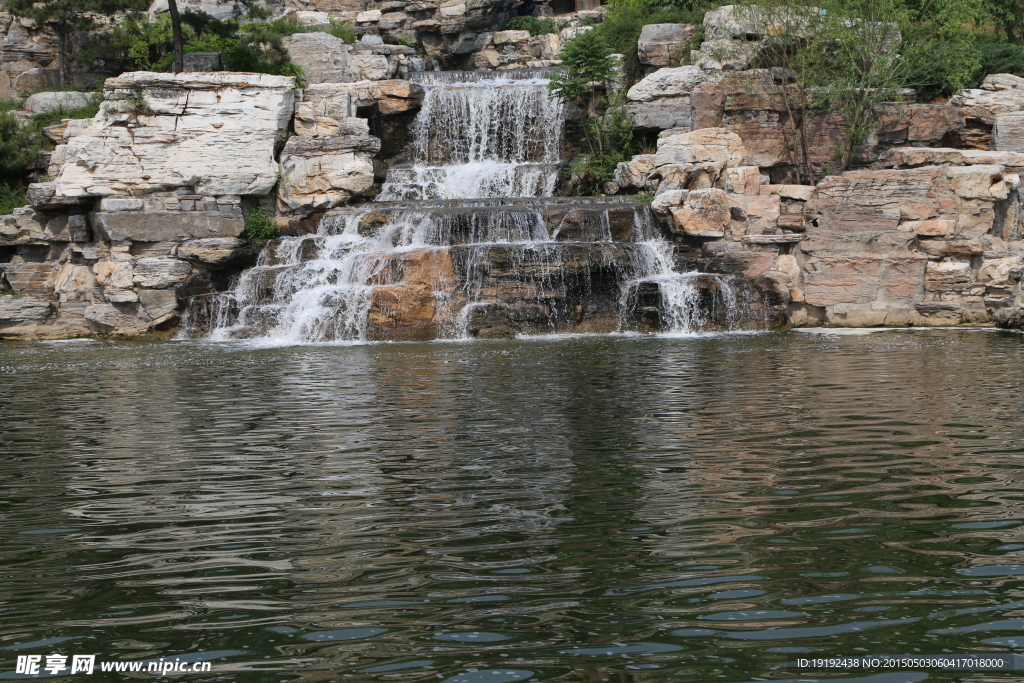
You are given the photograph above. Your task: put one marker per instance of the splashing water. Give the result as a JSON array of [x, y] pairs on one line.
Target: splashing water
[[445, 252], [471, 138]]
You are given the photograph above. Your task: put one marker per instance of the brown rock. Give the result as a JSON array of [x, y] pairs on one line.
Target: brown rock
[[704, 213]]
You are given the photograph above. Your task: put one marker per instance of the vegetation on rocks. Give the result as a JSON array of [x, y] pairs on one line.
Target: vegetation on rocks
[[245, 44], [69, 17], [259, 226], [21, 144], [537, 26]]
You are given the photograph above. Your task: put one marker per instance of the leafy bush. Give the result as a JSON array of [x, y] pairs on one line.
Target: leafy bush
[[252, 46], [11, 197], [339, 29], [626, 19], [594, 170], [20, 144], [537, 26], [259, 226], [1000, 58], [586, 60]]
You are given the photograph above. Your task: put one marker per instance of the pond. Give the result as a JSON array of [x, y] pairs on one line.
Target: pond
[[606, 508]]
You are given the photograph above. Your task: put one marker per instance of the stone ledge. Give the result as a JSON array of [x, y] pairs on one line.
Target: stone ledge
[[165, 226]]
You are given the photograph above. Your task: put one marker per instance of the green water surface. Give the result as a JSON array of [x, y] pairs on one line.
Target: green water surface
[[575, 509]]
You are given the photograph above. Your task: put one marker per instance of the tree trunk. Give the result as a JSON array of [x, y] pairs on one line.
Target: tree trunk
[[62, 41], [179, 57]]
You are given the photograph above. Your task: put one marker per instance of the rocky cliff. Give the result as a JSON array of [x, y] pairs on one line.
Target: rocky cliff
[[145, 206]]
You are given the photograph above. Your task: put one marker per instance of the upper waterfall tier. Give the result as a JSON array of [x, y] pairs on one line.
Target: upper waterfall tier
[[482, 135]]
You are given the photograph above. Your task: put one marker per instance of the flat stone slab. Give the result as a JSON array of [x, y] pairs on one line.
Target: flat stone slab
[[165, 226]]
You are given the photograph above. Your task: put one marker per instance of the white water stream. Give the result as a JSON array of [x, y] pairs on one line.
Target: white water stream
[[485, 138]]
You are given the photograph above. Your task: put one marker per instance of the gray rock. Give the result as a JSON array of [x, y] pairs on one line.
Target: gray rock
[[22, 310], [166, 226], [323, 58], [668, 112], [659, 43], [216, 250], [1008, 133], [120, 204], [161, 272], [158, 302], [202, 62], [43, 102]]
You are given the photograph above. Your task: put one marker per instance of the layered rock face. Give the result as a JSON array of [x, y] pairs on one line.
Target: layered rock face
[[146, 205], [475, 268], [721, 88], [927, 237]]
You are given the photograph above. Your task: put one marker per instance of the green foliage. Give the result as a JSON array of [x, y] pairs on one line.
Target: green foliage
[[67, 17], [586, 64], [625, 20], [537, 26], [1000, 58], [245, 45], [938, 49], [20, 144], [1006, 18], [594, 170], [610, 139], [259, 226], [11, 197], [344, 31]]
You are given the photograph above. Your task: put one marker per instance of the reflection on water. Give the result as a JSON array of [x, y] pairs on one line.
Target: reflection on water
[[584, 509]]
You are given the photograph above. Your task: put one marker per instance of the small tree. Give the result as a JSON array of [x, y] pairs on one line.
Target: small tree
[[856, 56], [67, 17], [587, 67]]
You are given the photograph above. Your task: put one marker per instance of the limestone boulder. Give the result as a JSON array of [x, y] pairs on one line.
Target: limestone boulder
[[981, 182], [160, 272], [218, 251], [166, 226], [114, 274], [115, 318], [985, 104], [324, 107], [43, 102], [716, 146], [23, 310], [214, 132], [1008, 132], [323, 57], [667, 83], [26, 226], [661, 100], [635, 173], [661, 44], [702, 213], [158, 303], [322, 173]]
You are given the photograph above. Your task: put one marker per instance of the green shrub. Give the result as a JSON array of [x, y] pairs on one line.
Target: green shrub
[[1000, 58], [586, 60], [252, 46], [20, 144], [537, 26], [594, 170], [259, 226], [626, 19], [11, 197], [347, 32]]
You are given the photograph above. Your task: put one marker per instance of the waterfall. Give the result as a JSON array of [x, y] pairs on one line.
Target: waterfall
[[467, 242], [472, 138]]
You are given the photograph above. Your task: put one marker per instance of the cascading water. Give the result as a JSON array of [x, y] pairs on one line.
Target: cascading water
[[468, 242], [471, 138]]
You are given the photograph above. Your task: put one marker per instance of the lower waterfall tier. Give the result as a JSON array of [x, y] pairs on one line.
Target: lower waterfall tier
[[428, 271]]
